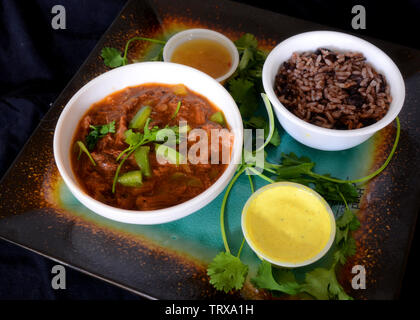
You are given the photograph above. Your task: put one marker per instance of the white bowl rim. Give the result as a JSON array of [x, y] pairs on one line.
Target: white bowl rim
[[150, 216], [184, 34], [314, 128], [320, 254]]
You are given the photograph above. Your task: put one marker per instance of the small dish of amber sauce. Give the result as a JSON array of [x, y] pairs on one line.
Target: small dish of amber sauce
[[206, 50]]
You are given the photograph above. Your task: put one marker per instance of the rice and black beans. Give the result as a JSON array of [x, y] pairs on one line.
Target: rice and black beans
[[332, 90]]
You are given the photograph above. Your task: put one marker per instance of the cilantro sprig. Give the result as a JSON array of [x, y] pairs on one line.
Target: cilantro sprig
[[227, 272], [113, 58], [134, 140], [98, 132], [246, 84]]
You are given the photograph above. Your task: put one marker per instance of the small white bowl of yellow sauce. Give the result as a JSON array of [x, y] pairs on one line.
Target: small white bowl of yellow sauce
[[203, 49], [288, 224]]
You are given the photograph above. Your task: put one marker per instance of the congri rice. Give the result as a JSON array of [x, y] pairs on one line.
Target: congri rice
[[332, 89]]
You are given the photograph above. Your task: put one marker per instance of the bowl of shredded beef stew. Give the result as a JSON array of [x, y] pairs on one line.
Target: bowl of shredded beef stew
[[332, 91], [149, 142]]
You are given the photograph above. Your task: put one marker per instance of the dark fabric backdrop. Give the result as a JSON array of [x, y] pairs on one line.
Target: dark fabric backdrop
[[36, 62]]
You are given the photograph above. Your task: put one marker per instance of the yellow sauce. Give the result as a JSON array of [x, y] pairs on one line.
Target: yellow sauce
[[287, 224], [208, 56]]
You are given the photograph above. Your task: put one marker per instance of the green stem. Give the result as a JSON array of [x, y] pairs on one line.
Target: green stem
[[261, 175], [251, 184], [85, 150], [222, 210], [373, 174], [270, 114], [270, 170], [117, 172], [344, 199], [123, 152], [139, 39], [240, 249], [177, 110]]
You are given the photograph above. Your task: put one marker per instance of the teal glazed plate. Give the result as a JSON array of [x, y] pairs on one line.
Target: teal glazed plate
[[169, 261]]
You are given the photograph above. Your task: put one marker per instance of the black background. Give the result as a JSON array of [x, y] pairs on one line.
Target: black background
[[36, 62]]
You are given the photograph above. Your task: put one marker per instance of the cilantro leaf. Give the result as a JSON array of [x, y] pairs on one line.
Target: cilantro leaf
[[245, 95], [345, 250], [322, 284], [135, 140], [132, 138], [98, 132], [246, 57], [247, 40], [107, 128], [112, 57], [158, 56], [275, 139], [265, 280], [91, 139], [257, 122], [227, 272], [300, 170], [354, 224], [346, 245], [346, 218], [245, 84], [239, 89], [292, 159], [294, 171]]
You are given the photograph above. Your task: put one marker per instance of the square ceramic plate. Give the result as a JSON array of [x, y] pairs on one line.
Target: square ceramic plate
[[169, 261]]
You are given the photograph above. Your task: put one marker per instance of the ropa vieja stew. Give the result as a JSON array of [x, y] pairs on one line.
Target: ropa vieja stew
[[120, 158]]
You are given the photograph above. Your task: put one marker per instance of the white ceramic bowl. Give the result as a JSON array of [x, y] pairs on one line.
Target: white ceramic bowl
[[133, 75], [192, 34], [282, 263], [318, 137]]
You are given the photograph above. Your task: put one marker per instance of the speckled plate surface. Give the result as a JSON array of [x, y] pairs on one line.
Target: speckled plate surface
[[168, 261]]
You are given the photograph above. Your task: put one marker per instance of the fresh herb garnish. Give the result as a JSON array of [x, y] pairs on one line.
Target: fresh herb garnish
[[227, 272], [178, 106], [113, 57], [257, 122], [320, 283], [82, 148], [265, 280], [300, 170], [245, 84], [135, 140], [220, 267], [98, 132]]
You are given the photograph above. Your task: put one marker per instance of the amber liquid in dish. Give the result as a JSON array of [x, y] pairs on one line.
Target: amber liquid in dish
[[206, 55]]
